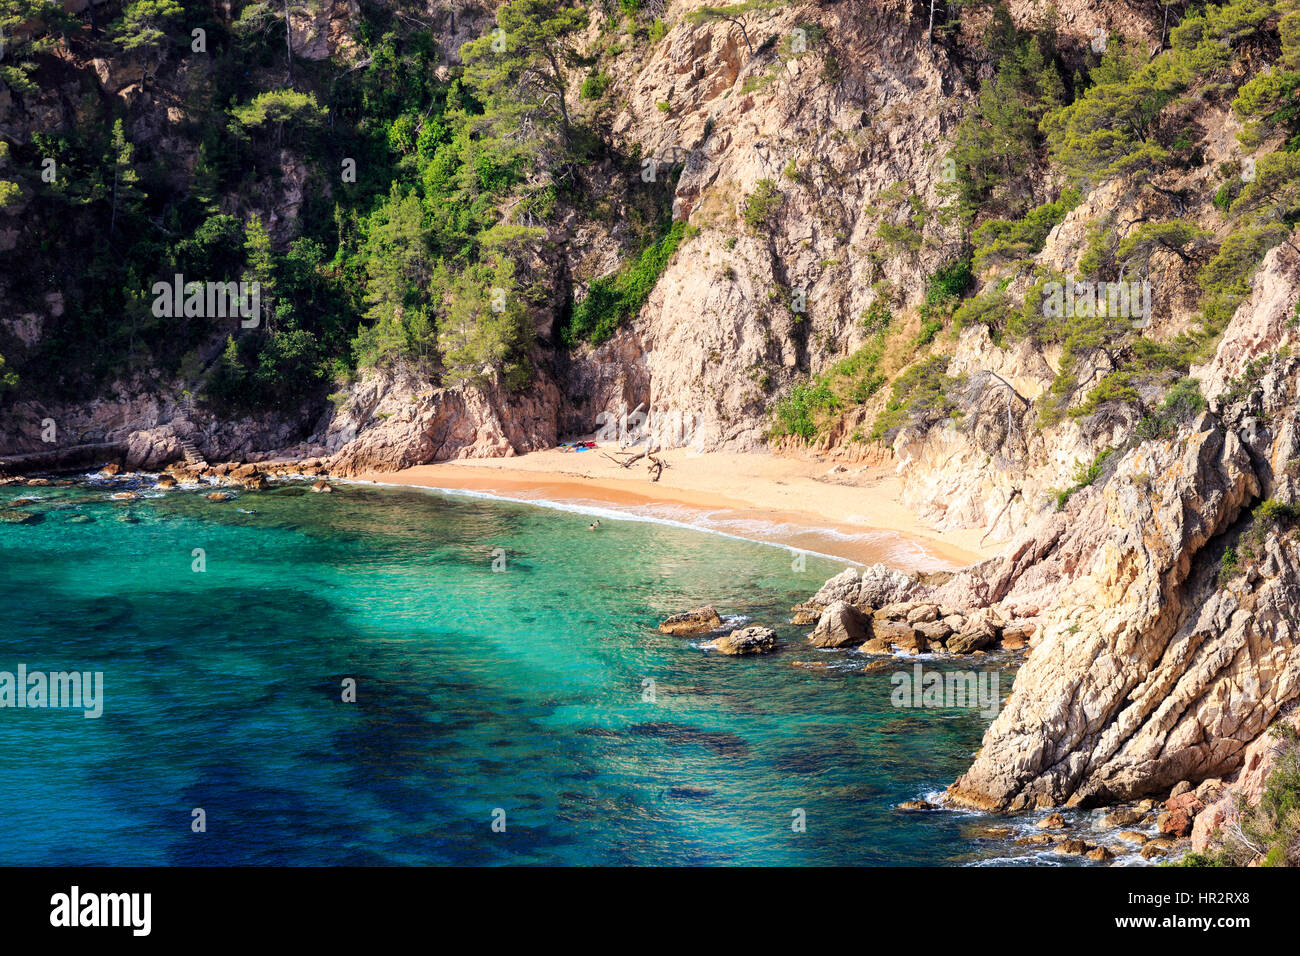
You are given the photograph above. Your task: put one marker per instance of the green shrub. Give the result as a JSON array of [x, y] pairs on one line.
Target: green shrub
[[1228, 565], [796, 413], [1181, 404], [949, 283], [924, 395], [1002, 240], [1275, 513], [761, 205], [594, 86], [1085, 475], [613, 299], [990, 309], [851, 381]]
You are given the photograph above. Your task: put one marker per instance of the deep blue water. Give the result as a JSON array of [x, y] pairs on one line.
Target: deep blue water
[[518, 691]]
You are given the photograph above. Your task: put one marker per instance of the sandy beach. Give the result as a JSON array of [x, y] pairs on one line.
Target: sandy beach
[[854, 514]]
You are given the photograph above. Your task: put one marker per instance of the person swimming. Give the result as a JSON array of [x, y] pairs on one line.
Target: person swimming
[[594, 525]]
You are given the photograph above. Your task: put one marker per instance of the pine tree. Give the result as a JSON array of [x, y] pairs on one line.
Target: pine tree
[[125, 178], [521, 67], [144, 27], [261, 265]]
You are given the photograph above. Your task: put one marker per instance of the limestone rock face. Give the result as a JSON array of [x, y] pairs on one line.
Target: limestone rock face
[[715, 341], [1150, 666], [150, 449], [841, 625], [324, 29], [1258, 761], [394, 420], [1260, 324], [1154, 663], [1124, 693]]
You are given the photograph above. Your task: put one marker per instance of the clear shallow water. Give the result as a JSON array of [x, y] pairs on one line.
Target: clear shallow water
[[520, 690]]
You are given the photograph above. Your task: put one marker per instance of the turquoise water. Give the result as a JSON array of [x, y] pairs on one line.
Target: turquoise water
[[520, 691]]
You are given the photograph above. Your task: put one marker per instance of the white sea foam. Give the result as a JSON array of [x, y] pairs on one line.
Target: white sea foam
[[604, 511]]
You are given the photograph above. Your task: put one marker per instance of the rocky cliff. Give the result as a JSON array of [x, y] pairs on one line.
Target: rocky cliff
[[842, 106]]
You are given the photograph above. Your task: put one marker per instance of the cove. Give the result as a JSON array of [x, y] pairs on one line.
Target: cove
[[521, 691]]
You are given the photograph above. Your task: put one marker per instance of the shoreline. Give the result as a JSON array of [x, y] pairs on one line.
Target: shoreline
[[854, 515]]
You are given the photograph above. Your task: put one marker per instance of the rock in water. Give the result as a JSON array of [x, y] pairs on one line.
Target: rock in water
[[914, 805], [877, 585], [1122, 817], [754, 639], [701, 620], [805, 614], [1175, 823], [976, 636], [322, 487], [841, 625]]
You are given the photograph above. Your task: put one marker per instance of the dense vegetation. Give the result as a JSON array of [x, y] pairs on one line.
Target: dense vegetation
[[427, 188]]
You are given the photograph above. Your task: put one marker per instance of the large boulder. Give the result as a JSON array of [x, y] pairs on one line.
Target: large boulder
[[754, 639], [978, 634], [875, 586], [893, 632], [152, 448], [841, 625]]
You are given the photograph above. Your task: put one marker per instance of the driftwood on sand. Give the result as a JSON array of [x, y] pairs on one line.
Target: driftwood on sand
[[656, 465]]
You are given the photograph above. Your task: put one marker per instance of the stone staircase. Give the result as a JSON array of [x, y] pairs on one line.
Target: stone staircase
[[193, 456]]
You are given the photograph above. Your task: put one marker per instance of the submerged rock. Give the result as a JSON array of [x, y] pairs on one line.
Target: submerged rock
[[915, 805]]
